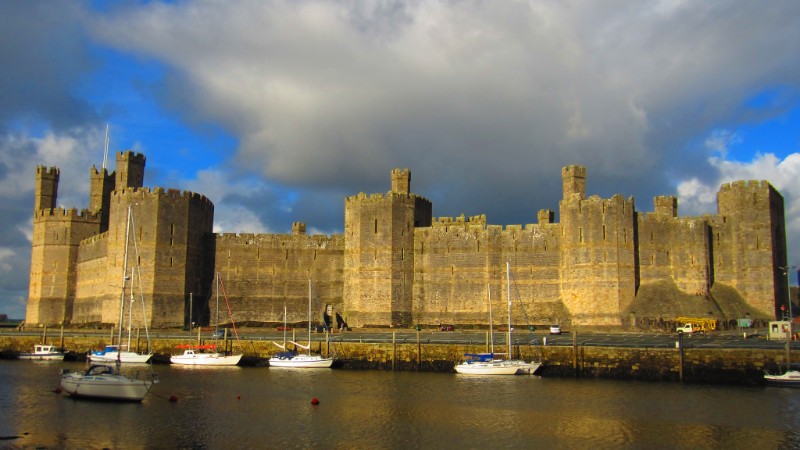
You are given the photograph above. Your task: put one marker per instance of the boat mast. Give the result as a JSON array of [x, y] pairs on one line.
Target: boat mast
[[216, 326], [124, 277], [491, 332], [308, 350], [130, 313], [508, 288]]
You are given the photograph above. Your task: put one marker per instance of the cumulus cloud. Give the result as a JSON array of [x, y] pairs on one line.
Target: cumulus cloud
[[338, 93], [483, 101]]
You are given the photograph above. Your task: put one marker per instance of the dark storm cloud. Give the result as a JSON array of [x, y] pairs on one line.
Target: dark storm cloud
[[44, 53]]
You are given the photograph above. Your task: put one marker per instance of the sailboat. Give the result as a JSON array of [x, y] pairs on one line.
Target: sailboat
[[488, 363], [116, 353], [192, 357], [791, 376], [105, 381], [287, 358]]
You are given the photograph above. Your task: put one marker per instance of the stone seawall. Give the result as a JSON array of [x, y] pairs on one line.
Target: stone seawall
[[706, 365]]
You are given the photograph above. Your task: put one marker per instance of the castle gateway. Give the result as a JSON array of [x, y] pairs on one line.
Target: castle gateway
[[398, 266]]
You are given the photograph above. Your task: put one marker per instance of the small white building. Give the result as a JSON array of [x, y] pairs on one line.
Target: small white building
[[779, 328]]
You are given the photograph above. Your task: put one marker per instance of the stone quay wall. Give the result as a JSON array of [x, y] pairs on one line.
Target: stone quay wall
[[706, 365]]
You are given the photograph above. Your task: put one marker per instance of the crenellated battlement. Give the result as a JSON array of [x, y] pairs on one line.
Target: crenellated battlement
[[745, 184], [159, 193], [65, 213], [48, 171], [378, 197]]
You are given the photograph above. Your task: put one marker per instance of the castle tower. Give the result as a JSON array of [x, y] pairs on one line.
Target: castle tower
[[401, 181], [100, 187], [666, 206], [46, 188], [573, 179], [597, 260], [168, 248], [130, 170], [298, 228], [749, 241], [379, 254], [57, 234]]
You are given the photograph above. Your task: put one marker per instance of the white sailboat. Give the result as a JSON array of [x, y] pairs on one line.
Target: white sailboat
[[299, 360], [104, 381], [192, 357], [121, 353], [488, 363]]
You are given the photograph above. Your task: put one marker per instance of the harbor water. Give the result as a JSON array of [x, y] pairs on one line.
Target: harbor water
[[240, 407]]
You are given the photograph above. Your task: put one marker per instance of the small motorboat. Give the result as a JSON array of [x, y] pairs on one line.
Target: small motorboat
[[43, 352]]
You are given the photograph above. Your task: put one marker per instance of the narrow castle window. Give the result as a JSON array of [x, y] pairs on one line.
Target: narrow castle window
[[604, 232], [172, 229], [376, 225], [580, 234], [170, 261]]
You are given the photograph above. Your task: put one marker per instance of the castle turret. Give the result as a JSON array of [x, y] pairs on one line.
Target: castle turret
[[379, 253], [298, 228], [100, 188], [598, 267], [666, 205], [57, 234], [401, 181], [130, 170], [749, 239], [573, 179], [46, 188]]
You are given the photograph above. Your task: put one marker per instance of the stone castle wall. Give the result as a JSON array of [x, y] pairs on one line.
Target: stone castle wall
[[397, 266], [263, 273]]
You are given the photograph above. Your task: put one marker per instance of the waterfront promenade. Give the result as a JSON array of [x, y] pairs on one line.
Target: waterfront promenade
[[735, 356]]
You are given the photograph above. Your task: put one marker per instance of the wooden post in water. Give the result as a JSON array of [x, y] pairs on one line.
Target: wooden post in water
[[419, 353], [394, 350], [680, 357], [575, 352], [487, 342], [62, 337], [44, 335], [198, 335], [112, 334], [327, 342]]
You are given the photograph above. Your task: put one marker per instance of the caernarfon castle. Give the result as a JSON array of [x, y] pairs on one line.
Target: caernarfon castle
[[396, 265]]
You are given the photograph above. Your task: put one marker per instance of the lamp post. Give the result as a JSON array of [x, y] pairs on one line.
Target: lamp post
[[785, 271]]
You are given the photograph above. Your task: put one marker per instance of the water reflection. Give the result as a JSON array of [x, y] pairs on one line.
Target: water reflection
[[269, 408]]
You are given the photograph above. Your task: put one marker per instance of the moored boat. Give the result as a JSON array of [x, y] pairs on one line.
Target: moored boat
[[105, 382], [789, 378], [112, 354], [192, 357], [44, 353]]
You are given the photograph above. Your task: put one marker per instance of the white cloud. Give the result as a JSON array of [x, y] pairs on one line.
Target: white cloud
[[697, 197]]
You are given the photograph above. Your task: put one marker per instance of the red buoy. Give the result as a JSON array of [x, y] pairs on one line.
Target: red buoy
[[173, 398], [315, 401], [58, 390]]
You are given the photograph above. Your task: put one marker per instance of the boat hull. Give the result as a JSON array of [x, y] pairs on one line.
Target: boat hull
[[48, 357], [105, 387], [302, 361], [790, 378], [500, 367], [124, 357], [206, 359]]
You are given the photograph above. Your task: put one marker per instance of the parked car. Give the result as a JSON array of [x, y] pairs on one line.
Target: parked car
[[555, 329]]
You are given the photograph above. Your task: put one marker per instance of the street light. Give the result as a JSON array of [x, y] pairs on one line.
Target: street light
[[785, 272]]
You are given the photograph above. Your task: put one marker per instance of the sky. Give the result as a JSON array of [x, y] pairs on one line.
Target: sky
[[278, 109]]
